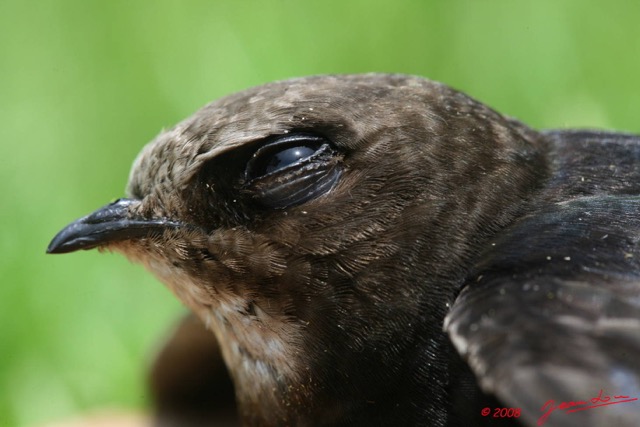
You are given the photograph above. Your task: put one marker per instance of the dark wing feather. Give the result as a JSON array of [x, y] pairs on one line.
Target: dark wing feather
[[189, 382], [553, 312]]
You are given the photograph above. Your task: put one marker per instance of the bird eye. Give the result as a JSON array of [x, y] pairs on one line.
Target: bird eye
[[281, 153], [291, 170]]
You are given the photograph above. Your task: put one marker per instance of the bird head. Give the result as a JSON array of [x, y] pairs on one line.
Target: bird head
[[321, 226]]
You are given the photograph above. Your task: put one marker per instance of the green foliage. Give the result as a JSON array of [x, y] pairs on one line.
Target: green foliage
[[83, 85]]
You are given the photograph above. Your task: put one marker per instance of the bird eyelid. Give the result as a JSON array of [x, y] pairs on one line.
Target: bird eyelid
[[268, 158], [292, 169]]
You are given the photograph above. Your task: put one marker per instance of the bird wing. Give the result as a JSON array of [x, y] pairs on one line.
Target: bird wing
[[189, 382], [552, 313]]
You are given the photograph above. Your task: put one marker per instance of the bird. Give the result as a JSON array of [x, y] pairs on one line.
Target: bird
[[382, 249]]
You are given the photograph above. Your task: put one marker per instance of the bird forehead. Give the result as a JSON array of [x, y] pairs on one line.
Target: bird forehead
[[347, 101], [344, 108]]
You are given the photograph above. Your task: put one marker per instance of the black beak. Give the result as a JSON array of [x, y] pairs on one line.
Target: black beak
[[111, 223]]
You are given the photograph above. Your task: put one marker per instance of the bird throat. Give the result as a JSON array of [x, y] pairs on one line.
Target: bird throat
[[262, 352]]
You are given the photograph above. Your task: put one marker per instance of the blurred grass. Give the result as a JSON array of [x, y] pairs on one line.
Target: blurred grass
[[83, 85]]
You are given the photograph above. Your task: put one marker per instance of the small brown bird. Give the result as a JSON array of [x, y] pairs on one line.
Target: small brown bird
[[384, 250]]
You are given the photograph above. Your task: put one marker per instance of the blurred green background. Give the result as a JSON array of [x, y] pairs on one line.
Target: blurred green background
[[83, 85]]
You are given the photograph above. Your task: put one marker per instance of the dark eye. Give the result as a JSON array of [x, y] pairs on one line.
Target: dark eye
[[291, 170], [287, 157], [281, 153]]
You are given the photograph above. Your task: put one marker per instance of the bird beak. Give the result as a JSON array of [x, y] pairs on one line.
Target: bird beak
[[111, 223]]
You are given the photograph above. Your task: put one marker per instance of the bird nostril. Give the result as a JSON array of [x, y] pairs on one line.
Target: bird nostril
[[251, 308]]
